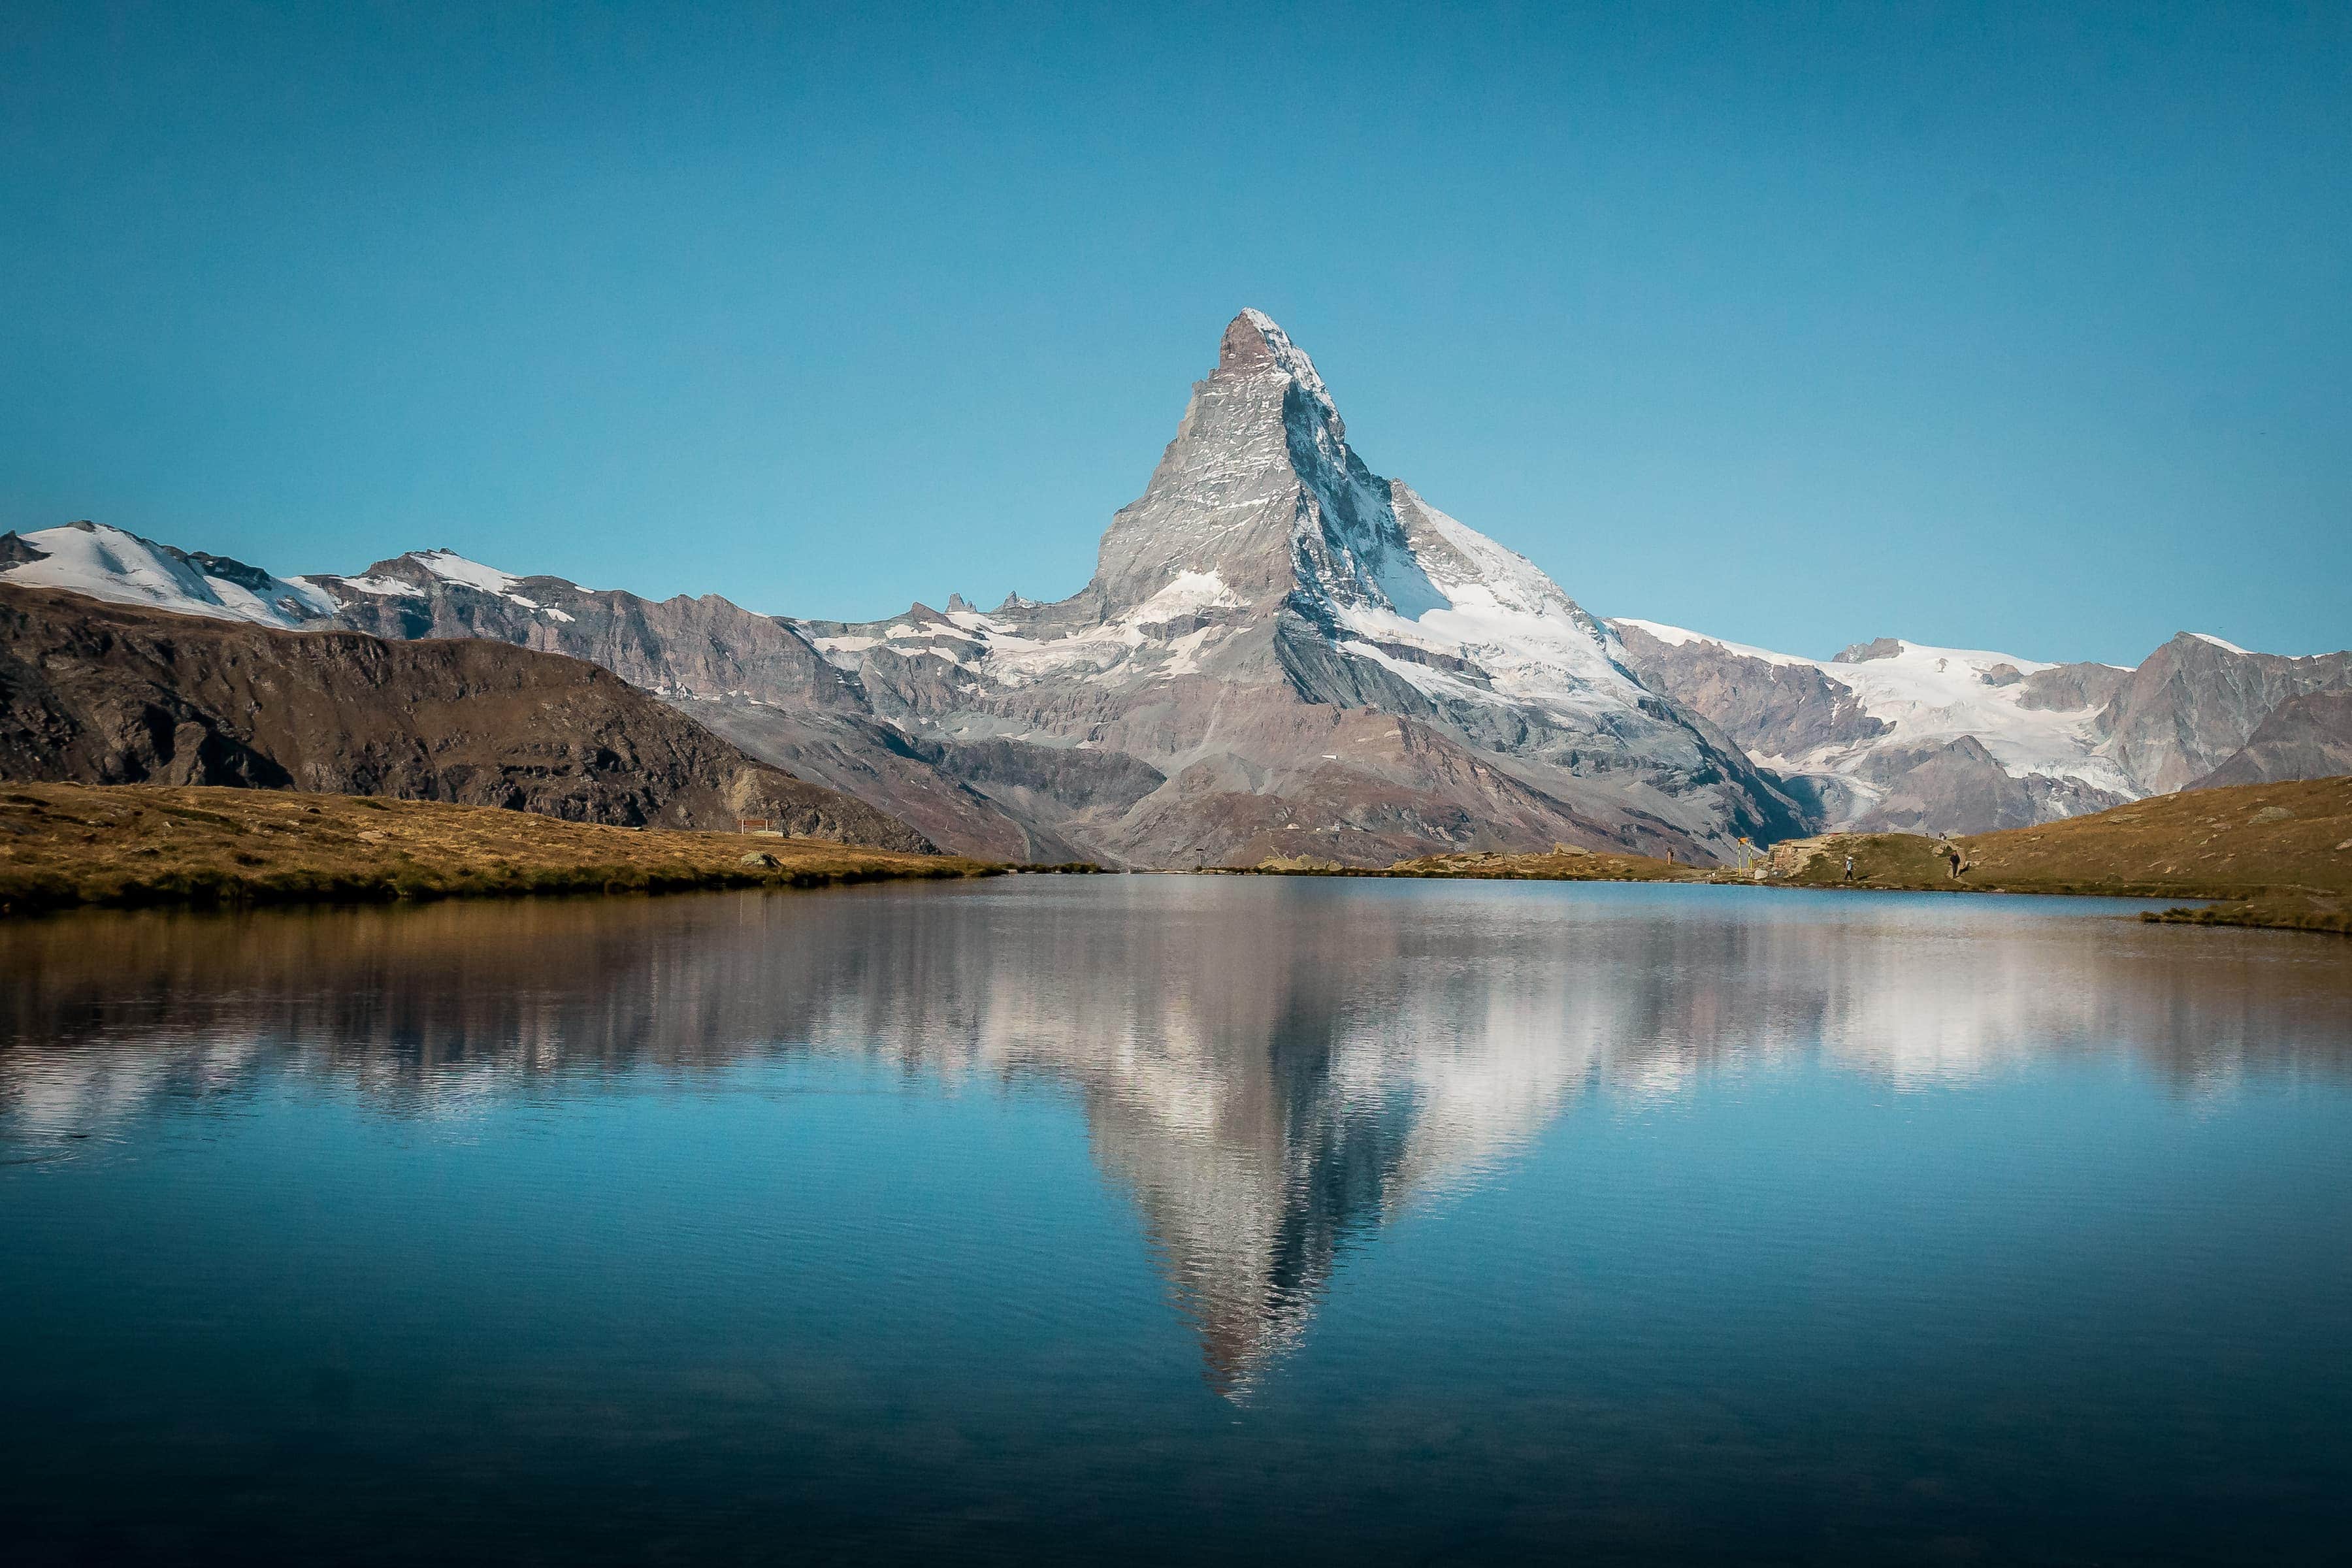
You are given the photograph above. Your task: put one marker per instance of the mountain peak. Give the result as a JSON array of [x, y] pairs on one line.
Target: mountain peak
[[1245, 345], [1254, 344]]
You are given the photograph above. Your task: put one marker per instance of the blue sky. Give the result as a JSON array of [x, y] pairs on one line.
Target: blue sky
[[2023, 327]]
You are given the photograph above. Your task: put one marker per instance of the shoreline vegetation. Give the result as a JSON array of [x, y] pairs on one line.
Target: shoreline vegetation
[[65, 845], [2277, 855]]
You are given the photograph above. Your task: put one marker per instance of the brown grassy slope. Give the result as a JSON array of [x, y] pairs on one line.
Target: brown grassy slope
[[103, 693], [129, 844], [2277, 854]]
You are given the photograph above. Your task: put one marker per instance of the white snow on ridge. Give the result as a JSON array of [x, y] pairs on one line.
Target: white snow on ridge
[[383, 587], [1677, 636], [1934, 696], [1497, 611], [450, 566], [109, 565], [1187, 593], [2217, 642]]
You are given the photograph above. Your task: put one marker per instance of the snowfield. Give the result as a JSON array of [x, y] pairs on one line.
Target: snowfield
[[122, 568], [1934, 696]]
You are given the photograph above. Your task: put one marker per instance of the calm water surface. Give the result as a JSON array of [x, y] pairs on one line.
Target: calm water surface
[[1155, 1217]]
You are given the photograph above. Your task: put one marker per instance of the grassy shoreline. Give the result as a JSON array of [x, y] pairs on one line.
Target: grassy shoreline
[[122, 846], [2274, 856]]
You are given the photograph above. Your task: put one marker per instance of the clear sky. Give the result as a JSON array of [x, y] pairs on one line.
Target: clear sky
[[2023, 327]]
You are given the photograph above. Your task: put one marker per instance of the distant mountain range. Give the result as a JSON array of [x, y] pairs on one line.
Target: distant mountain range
[[122, 693], [1281, 653], [1897, 735]]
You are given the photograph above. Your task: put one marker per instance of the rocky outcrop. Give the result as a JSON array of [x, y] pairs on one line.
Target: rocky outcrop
[[2307, 737], [2072, 688], [101, 693], [672, 648], [2193, 703], [915, 779], [1959, 787], [1771, 709]]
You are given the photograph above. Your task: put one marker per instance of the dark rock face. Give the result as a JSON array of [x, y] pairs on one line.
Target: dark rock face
[[750, 678], [896, 772], [101, 693], [2193, 703], [1959, 788], [1071, 777], [1864, 652], [2064, 687], [1771, 709], [230, 569], [680, 647], [2307, 737]]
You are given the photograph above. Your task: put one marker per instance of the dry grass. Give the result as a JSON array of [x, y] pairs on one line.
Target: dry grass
[[2274, 853], [137, 844]]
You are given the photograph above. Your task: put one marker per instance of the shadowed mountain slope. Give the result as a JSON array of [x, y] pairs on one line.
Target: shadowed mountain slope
[[99, 693], [2305, 737]]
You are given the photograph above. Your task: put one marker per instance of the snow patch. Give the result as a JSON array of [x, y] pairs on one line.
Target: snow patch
[[2217, 642], [1187, 593], [1677, 636], [450, 566], [383, 587]]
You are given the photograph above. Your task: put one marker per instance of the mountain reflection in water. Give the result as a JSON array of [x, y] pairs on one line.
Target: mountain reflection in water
[[1270, 1068]]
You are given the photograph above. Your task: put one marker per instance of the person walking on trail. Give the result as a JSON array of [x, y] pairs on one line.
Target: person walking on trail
[[1952, 853], [1849, 867]]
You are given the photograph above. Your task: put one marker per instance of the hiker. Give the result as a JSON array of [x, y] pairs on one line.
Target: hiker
[[1954, 854], [1849, 867]]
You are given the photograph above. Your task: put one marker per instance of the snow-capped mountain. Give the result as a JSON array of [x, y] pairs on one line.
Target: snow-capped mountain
[[1901, 735], [1319, 662], [410, 577], [1281, 653], [124, 569]]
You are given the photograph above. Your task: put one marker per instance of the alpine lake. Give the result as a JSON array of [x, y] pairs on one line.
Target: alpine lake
[[1156, 1218]]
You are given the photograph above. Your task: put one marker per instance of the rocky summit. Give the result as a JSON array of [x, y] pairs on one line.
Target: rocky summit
[[1312, 658]]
